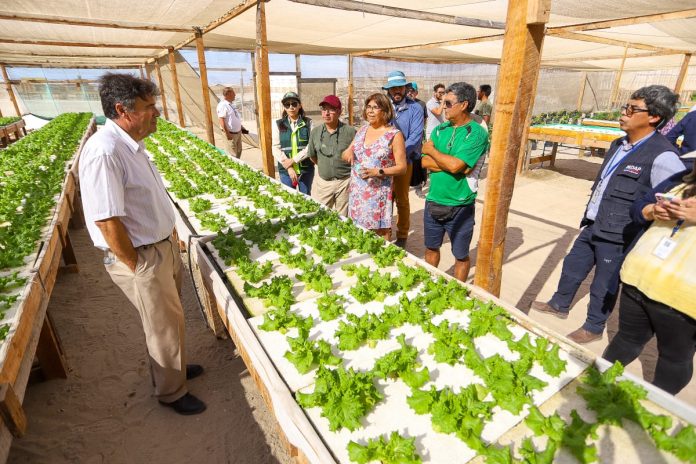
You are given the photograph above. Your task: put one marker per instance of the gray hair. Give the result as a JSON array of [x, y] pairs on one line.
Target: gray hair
[[464, 93], [659, 100], [226, 90], [123, 88]]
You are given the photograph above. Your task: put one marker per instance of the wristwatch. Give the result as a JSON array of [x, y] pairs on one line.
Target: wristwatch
[[381, 172]]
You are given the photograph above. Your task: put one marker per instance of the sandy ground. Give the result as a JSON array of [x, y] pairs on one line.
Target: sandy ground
[[105, 413]]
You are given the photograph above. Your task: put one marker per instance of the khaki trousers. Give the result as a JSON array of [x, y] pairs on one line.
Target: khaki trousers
[[332, 193], [234, 144], [402, 184], [154, 291]]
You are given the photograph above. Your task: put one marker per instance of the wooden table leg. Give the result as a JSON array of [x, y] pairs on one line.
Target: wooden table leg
[[50, 352], [11, 411], [554, 150]]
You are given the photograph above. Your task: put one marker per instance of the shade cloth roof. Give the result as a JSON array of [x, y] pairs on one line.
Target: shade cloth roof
[[303, 28]]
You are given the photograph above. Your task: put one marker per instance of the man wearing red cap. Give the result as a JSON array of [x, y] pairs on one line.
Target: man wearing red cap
[[326, 143]]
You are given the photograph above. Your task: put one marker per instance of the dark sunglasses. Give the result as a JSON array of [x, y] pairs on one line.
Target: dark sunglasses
[[293, 104], [449, 104]]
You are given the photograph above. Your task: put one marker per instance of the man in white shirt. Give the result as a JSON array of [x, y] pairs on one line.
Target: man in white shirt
[[231, 122], [436, 110], [130, 217]]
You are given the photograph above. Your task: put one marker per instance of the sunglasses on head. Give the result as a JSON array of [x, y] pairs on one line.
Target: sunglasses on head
[[293, 104]]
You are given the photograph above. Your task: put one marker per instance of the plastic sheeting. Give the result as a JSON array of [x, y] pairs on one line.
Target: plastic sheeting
[[301, 28]]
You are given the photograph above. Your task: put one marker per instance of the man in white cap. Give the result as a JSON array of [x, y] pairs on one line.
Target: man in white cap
[[409, 120]]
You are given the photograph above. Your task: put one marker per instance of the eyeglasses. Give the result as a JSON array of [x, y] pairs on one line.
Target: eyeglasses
[[327, 109], [372, 108], [449, 104], [293, 104], [630, 109]]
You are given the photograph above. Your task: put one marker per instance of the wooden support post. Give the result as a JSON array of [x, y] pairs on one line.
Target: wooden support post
[[50, 352], [11, 411], [175, 84], [200, 48], [519, 72], [160, 82], [581, 94], [142, 73], [10, 92], [682, 73], [350, 90], [148, 73], [263, 90], [617, 82], [298, 68]]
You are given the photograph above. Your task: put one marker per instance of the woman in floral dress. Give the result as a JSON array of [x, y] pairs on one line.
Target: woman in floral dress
[[377, 154]]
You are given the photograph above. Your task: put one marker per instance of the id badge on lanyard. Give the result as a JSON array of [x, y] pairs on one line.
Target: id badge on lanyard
[[667, 245]]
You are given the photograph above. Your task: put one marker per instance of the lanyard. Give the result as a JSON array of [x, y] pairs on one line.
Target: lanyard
[[676, 227], [612, 167]]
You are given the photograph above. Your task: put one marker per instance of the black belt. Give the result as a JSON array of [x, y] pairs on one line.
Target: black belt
[[235, 133], [145, 247]]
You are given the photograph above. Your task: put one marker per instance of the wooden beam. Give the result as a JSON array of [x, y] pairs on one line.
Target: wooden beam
[[231, 14], [610, 57], [162, 92], [263, 90], [148, 73], [653, 18], [72, 65], [397, 12], [10, 92], [76, 44], [92, 23], [605, 41], [200, 48], [617, 81], [175, 84], [27, 55], [11, 411], [425, 46], [519, 72], [581, 92], [682, 73], [350, 90]]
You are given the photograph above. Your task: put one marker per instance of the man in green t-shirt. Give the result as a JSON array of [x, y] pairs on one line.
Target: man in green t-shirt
[[454, 156], [326, 143]]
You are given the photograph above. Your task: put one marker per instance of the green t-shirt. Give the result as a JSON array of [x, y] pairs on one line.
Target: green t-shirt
[[484, 108], [468, 143], [327, 148]]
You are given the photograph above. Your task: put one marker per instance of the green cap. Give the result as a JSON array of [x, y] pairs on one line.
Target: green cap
[[290, 96]]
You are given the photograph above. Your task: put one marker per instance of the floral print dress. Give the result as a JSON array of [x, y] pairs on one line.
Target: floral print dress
[[370, 200]]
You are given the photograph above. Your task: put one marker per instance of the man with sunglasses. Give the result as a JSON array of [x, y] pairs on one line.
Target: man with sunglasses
[[454, 156], [326, 143], [408, 118], [633, 166]]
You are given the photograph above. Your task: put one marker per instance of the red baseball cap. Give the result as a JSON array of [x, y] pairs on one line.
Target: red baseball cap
[[331, 100]]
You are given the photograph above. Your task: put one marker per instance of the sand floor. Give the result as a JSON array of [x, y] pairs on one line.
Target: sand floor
[[105, 413]]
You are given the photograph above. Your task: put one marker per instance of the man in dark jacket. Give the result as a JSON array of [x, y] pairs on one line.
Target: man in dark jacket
[[633, 166]]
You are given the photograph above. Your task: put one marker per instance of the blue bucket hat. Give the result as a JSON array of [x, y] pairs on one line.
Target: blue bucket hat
[[395, 79]]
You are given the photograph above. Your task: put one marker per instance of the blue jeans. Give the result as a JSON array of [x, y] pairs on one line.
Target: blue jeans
[[606, 258], [304, 180]]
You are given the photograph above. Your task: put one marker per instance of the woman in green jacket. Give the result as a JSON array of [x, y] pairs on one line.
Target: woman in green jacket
[[295, 168]]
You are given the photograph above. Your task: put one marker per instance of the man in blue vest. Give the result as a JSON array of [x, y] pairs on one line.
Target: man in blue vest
[[408, 118], [632, 167]]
